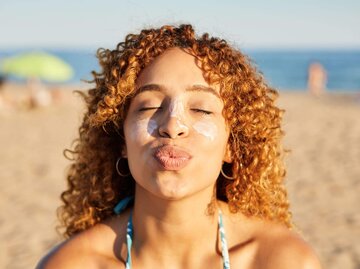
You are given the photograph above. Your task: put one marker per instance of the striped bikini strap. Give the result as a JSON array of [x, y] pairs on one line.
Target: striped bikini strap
[[224, 247]]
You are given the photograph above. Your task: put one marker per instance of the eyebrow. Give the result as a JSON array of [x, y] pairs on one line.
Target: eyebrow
[[194, 88]]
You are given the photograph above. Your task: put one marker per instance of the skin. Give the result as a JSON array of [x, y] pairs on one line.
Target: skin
[[171, 224], [188, 116]]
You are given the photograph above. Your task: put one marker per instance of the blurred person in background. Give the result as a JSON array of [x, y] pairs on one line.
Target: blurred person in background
[[317, 79]]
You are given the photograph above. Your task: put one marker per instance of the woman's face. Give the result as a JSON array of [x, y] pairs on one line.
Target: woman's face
[[176, 137]]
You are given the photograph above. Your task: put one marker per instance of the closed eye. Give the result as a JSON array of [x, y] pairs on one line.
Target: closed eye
[[149, 108], [205, 112]]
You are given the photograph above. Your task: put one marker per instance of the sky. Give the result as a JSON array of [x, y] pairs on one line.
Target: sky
[[250, 24]]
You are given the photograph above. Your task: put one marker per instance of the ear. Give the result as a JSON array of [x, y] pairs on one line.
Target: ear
[[124, 152], [228, 155]]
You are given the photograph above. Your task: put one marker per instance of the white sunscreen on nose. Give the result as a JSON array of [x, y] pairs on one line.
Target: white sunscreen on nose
[[177, 110], [207, 129]]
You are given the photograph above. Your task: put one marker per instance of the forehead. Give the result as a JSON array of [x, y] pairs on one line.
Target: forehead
[[174, 68]]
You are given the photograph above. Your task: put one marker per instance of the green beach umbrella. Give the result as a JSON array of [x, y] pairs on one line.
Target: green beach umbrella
[[38, 65]]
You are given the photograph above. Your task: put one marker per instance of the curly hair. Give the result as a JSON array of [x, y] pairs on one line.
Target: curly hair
[[257, 188]]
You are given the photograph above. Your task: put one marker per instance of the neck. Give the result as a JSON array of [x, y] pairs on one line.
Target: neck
[[183, 226]]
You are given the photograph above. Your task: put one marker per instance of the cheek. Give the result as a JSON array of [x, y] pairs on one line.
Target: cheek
[[206, 129], [152, 126], [142, 130]]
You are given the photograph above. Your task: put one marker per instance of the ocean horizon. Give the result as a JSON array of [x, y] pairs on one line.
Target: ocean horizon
[[283, 69]]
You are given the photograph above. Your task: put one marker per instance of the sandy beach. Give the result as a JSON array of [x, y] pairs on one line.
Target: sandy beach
[[323, 134]]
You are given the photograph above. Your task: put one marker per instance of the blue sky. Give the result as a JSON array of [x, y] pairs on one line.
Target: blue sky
[[250, 24]]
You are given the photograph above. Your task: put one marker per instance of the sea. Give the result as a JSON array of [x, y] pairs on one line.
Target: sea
[[282, 69]]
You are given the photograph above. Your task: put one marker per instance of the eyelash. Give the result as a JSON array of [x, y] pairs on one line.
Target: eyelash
[[205, 112], [149, 108]]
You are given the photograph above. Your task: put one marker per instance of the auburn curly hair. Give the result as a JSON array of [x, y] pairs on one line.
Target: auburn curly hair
[[94, 186]]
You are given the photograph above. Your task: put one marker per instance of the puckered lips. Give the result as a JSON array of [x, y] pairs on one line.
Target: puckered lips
[[171, 157]]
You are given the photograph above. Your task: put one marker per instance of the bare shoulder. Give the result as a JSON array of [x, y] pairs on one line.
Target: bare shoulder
[[281, 248], [93, 248], [255, 243], [72, 253]]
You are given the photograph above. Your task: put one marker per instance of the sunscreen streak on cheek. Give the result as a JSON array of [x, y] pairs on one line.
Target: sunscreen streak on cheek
[[152, 126], [143, 129], [207, 129]]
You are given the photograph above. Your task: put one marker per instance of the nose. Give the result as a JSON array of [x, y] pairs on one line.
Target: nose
[[173, 127]]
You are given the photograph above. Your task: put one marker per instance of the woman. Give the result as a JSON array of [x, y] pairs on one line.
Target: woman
[[181, 138]]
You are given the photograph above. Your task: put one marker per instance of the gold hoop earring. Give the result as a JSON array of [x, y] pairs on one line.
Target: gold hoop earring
[[226, 176], [118, 170]]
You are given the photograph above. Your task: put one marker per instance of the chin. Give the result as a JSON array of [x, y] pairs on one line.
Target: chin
[[174, 188], [172, 191]]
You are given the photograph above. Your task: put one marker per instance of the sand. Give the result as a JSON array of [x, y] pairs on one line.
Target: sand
[[323, 174]]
